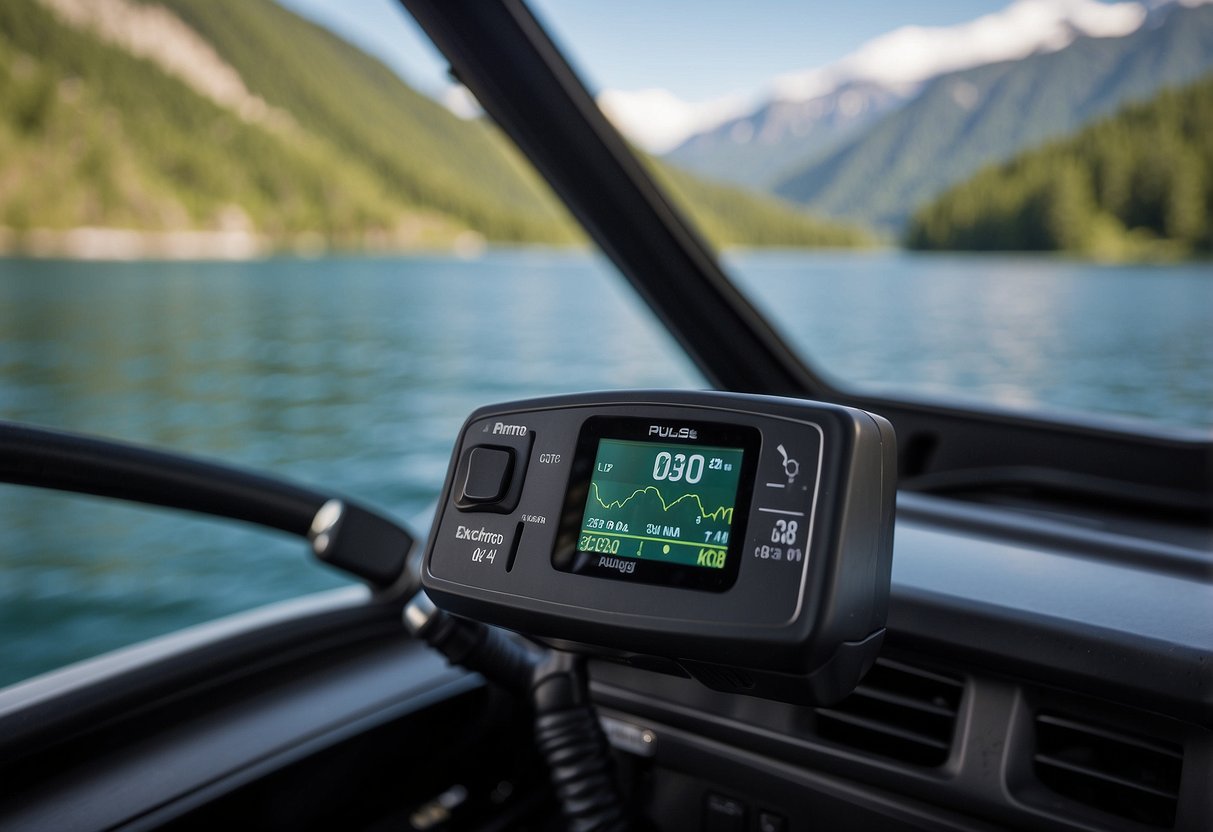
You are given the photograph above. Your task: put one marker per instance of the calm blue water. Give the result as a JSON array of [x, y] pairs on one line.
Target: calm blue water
[[1022, 332], [354, 374]]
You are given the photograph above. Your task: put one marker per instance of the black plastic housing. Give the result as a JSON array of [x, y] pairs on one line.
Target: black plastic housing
[[802, 630]]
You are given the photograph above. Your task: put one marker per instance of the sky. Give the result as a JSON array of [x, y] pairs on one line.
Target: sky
[[666, 69], [697, 49]]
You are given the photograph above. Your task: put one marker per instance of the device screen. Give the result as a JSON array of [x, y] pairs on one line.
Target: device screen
[[667, 503], [658, 503]]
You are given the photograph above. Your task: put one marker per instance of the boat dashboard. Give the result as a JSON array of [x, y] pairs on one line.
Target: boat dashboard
[[1033, 673]]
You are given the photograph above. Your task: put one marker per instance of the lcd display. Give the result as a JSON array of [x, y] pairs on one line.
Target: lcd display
[[664, 503], [658, 502]]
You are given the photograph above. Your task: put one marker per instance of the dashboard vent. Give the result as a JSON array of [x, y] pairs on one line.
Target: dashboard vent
[[902, 712], [1114, 771]]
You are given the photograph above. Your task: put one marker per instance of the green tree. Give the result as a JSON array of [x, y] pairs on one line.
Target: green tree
[[1139, 184]]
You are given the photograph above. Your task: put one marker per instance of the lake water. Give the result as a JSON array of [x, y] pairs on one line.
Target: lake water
[[354, 374]]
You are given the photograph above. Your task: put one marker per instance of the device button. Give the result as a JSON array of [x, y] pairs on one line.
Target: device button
[[723, 814], [772, 822], [488, 474]]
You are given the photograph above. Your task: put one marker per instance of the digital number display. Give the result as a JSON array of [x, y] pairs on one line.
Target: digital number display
[[671, 504]]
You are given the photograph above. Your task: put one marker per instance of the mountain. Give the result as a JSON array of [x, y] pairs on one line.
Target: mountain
[[1138, 184], [239, 118], [759, 149], [964, 120], [734, 217], [807, 113]]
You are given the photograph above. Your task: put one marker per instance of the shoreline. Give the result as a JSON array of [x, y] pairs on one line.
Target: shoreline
[[99, 244]]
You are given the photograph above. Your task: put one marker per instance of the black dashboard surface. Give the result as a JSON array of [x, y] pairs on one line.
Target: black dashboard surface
[[1018, 622]]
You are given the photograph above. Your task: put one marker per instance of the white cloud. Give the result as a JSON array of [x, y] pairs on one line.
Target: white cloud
[[913, 54], [658, 120], [459, 100]]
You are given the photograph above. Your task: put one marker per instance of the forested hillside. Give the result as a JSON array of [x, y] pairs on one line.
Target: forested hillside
[[419, 151], [320, 145], [966, 120], [1139, 184], [731, 216]]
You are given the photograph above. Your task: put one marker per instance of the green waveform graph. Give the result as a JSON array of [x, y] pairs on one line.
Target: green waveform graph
[[644, 523], [721, 513], [653, 501]]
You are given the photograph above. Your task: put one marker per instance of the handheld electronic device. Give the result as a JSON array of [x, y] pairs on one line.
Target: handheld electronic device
[[744, 540]]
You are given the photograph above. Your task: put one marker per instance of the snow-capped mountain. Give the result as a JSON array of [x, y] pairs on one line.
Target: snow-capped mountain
[[969, 118], [784, 134], [751, 139]]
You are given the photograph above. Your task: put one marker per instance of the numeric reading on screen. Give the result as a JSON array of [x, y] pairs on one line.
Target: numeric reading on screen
[[678, 466], [669, 504]]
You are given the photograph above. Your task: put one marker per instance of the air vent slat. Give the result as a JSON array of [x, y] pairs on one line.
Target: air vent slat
[[882, 727], [1119, 772], [1095, 774], [1123, 739], [900, 711], [922, 673], [905, 701]]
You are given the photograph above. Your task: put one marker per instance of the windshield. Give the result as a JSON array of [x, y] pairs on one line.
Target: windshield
[[350, 374], [183, 270], [997, 221], [302, 249]]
